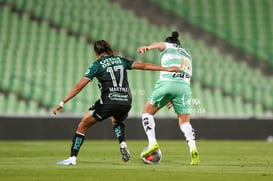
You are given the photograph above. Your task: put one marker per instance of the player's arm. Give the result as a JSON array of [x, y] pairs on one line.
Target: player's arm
[[157, 45], [154, 67], [73, 92]]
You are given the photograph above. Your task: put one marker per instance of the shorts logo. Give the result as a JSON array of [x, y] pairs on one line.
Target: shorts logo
[[115, 96]]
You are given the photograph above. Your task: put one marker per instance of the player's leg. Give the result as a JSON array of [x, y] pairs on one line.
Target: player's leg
[[186, 128], [148, 124], [78, 138], [189, 133], [158, 99], [86, 122], [182, 106], [119, 116], [119, 129]]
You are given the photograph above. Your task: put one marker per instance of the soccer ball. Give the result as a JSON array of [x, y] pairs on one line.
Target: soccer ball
[[154, 158]]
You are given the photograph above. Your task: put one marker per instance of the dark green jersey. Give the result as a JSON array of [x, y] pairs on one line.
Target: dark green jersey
[[111, 72]]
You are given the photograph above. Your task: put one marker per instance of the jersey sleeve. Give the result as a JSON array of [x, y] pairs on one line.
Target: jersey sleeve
[[129, 63], [91, 71], [167, 46]]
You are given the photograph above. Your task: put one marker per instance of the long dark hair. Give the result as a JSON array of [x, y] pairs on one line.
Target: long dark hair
[[173, 38], [102, 46]]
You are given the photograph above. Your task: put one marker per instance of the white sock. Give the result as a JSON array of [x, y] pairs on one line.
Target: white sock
[[149, 127], [189, 134], [73, 157], [123, 144]]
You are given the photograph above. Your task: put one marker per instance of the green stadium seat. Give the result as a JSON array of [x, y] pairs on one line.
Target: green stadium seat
[[35, 45], [246, 24]]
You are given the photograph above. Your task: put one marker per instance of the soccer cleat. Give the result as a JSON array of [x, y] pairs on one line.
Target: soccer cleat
[[195, 157], [150, 150], [125, 154], [69, 161]]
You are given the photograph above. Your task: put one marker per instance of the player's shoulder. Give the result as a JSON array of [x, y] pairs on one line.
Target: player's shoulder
[[125, 59], [182, 50], [94, 64], [121, 57], [173, 46], [187, 52], [168, 45]]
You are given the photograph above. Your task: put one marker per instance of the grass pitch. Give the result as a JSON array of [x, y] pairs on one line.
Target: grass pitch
[[100, 160]]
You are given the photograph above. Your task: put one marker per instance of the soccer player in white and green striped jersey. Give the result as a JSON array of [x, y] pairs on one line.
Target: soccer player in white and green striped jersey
[[173, 90]]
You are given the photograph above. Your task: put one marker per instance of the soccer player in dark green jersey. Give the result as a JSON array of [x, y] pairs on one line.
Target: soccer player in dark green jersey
[[115, 100]]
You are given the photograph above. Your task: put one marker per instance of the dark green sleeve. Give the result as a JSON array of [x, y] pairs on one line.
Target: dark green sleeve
[[91, 71], [129, 63]]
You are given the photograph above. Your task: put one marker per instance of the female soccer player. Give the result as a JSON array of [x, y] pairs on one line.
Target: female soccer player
[[115, 100], [172, 89]]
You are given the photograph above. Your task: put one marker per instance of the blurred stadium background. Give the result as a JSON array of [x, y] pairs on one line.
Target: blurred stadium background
[[46, 47]]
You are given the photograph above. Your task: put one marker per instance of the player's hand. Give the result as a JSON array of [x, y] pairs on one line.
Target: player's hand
[[57, 108], [169, 105], [142, 49]]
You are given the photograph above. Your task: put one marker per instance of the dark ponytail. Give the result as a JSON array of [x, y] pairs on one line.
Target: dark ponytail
[[173, 38], [102, 46]]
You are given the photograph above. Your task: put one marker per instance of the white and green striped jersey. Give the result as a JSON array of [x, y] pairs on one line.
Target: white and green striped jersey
[[174, 55]]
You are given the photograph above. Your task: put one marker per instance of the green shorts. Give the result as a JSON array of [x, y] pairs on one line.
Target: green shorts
[[179, 93]]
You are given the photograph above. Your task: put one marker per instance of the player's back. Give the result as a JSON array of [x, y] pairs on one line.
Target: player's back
[[174, 55], [112, 76]]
